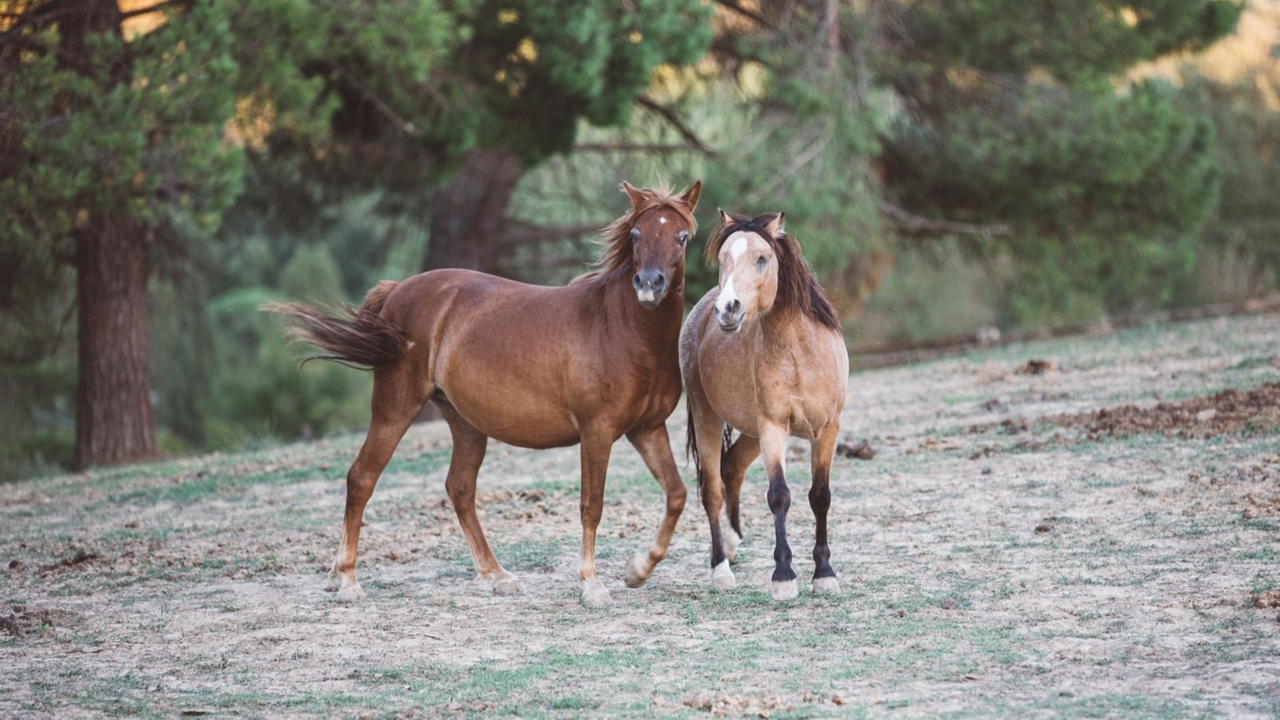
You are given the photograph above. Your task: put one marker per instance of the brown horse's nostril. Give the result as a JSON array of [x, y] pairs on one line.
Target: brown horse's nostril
[[652, 280]]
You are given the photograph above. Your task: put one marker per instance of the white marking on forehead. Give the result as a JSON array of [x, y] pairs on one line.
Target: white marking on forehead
[[737, 244], [662, 221]]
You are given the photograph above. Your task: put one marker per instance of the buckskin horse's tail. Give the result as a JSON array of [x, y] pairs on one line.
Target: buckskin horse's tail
[[353, 337], [691, 446]]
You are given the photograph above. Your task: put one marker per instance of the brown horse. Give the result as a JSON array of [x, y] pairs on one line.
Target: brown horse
[[537, 367], [762, 354]]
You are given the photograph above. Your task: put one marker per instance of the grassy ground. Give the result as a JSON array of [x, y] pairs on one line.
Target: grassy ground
[[995, 562]]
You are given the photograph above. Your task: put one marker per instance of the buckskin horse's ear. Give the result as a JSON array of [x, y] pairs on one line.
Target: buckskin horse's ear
[[636, 194], [776, 225], [690, 196]]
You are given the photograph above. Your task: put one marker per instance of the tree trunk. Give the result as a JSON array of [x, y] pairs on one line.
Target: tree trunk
[[113, 392], [469, 215]]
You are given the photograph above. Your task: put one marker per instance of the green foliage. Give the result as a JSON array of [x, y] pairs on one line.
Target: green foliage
[[531, 69], [1247, 126], [1100, 193], [1070, 40]]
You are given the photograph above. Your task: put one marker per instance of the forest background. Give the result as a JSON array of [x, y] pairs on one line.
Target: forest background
[[166, 167]]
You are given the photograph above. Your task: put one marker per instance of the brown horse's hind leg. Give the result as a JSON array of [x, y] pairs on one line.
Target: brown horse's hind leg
[[733, 467], [393, 411], [654, 446], [822, 450], [469, 445]]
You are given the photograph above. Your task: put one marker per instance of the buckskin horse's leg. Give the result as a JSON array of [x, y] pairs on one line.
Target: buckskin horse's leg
[[393, 411], [733, 468], [469, 445], [595, 450], [654, 446], [821, 451], [773, 442], [708, 431]]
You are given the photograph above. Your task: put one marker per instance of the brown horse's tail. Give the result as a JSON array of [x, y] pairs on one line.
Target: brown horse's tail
[[357, 338]]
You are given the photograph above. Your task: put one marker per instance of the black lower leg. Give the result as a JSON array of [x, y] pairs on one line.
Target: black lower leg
[[779, 502], [820, 501]]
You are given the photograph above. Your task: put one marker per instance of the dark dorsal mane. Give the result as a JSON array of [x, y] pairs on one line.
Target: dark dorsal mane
[[615, 240], [798, 288]]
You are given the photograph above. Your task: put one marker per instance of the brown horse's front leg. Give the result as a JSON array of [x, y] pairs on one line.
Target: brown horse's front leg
[[773, 441], [822, 450], [595, 450], [654, 446]]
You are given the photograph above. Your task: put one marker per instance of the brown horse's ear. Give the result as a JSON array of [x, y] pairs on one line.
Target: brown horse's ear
[[690, 196], [636, 194], [776, 225]]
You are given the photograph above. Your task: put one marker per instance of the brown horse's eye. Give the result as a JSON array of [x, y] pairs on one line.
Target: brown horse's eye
[[761, 262], [682, 238], [635, 235]]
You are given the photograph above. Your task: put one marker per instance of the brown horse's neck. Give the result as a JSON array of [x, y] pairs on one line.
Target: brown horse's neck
[[659, 327]]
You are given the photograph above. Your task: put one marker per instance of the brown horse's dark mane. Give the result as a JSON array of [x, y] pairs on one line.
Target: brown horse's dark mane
[[615, 240], [798, 288]]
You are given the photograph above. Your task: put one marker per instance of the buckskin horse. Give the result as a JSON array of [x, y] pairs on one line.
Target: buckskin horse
[[531, 366], [762, 354]]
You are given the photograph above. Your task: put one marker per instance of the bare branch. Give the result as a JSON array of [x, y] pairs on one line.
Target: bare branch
[[666, 114], [911, 224], [534, 234], [745, 12], [380, 105], [641, 148]]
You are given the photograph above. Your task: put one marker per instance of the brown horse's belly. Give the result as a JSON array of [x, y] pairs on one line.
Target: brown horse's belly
[[518, 421]]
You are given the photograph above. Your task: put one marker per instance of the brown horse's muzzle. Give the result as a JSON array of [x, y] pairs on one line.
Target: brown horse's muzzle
[[650, 285]]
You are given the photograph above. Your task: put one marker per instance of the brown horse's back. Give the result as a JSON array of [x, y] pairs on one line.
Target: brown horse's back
[[528, 364]]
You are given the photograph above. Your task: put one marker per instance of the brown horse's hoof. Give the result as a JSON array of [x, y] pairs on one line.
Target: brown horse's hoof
[[784, 590], [826, 586], [722, 577], [594, 595], [350, 593], [637, 573]]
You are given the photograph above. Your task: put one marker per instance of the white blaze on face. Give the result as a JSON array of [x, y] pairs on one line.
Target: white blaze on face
[[735, 247]]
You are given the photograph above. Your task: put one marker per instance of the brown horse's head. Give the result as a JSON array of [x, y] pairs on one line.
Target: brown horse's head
[[650, 240]]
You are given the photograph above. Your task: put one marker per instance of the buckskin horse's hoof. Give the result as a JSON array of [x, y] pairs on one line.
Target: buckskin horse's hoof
[[729, 539], [826, 586], [783, 590]]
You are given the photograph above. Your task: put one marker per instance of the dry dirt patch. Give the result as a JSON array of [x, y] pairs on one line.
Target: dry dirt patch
[[1228, 411], [994, 564]]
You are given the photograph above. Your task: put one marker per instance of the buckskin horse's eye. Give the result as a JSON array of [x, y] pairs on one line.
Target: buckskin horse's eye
[[635, 235], [761, 262]]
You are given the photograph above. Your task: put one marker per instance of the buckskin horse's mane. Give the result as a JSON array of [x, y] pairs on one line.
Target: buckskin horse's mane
[[798, 289], [615, 240]]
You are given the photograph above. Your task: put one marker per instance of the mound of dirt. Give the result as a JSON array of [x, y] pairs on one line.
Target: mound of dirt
[[1229, 411]]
